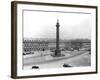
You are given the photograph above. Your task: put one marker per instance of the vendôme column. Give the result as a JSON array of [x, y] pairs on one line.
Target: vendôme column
[[57, 51]]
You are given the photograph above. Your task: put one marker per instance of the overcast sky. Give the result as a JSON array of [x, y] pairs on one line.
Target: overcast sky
[[43, 25]]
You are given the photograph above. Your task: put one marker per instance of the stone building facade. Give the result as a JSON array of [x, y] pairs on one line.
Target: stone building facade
[[30, 45]]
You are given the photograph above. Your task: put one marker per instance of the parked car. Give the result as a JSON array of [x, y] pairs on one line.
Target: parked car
[[66, 65], [29, 52], [25, 53], [35, 67]]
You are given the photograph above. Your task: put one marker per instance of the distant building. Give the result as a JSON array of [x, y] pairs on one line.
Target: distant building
[[31, 45], [41, 45]]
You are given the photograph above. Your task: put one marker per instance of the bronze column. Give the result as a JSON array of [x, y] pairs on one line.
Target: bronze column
[[57, 51]]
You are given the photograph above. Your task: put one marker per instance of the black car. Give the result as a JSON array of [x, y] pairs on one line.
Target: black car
[[66, 65], [35, 67]]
